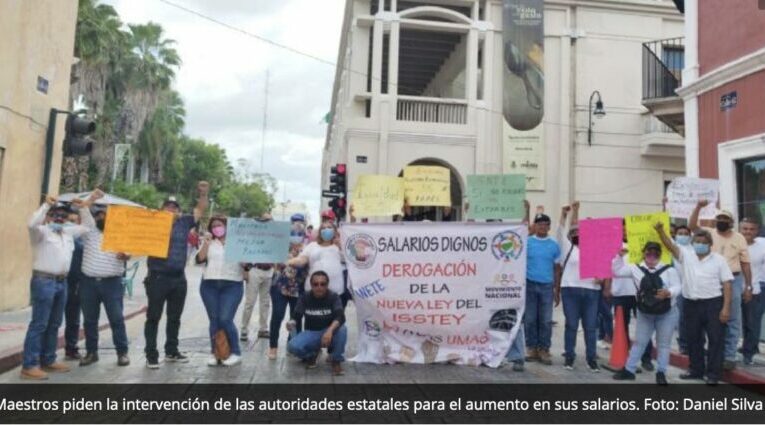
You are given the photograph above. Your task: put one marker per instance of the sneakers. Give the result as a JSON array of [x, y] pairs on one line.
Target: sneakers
[[271, 354], [33, 373], [56, 367], [176, 358], [604, 345], [518, 366], [544, 357], [263, 334], [89, 359], [532, 354], [661, 379], [337, 369], [152, 363], [232, 360], [691, 376], [748, 360], [624, 375], [310, 363], [647, 365], [593, 366], [123, 360], [569, 365], [213, 361]]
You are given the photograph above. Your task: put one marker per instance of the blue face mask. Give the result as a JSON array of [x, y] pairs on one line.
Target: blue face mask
[[327, 234], [683, 239], [701, 248], [296, 240], [56, 227]]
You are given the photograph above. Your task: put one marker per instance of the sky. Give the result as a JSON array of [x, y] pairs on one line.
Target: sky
[[223, 77]]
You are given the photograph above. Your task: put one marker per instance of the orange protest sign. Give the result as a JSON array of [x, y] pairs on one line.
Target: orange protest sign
[[137, 231]]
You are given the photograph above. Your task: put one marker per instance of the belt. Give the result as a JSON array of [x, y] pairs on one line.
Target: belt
[[43, 275], [180, 273], [101, 279], [264, 267], [736, 273]]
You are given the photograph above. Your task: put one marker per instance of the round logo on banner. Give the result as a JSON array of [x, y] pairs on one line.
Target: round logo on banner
[[507, 246], [372, 328], [503, 320], [361, 250]]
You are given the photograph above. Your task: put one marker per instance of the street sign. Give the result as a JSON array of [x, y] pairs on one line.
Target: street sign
[[328, 194]]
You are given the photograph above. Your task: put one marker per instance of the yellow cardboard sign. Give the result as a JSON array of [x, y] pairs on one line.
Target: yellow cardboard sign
[[640, 229], [376, 195], [427, 185], [137, 231]]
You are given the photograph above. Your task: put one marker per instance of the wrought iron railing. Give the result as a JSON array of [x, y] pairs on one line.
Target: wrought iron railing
[[431, 110], [663, 62]]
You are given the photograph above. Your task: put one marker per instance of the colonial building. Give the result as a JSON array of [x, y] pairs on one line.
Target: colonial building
[[422, 82], [36, 51]]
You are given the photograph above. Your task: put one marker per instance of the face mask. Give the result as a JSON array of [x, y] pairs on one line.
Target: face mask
[[100, 224], [683, 240], [327, 234], [56, 227], [219, 231], [296, 240], [723, 226], [575, 240], [701, 248]]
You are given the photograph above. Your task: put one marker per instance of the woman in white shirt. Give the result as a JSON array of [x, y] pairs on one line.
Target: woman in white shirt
[[662, 323], [324, 255], [222, 289]]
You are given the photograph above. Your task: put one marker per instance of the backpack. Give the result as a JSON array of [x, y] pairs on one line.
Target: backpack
[[646, 294]]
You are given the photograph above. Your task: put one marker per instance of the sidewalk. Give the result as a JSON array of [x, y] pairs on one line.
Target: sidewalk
[[13, 325]]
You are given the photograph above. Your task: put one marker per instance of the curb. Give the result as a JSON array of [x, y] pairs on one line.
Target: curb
[[13, 357], [736, 376]]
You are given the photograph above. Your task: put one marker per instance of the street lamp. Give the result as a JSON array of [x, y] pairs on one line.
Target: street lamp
[[599, 112]]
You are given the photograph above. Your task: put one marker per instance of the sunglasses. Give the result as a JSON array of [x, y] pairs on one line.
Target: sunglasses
[[319, 283]]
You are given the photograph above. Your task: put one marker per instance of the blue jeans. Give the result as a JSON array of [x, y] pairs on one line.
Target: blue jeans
[[664, 325], [279, 303], [605, 319], [306, 344], [733, 331], [537, 318], [108, 291], [516, 354], [48, 299], [580, 304], [752, 321], [221, 299]]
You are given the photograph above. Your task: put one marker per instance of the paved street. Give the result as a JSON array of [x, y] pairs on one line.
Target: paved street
[[256, 368]]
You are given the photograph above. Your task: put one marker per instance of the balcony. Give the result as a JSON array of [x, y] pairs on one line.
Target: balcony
[[660, 140], [431, 110], [663, 62]]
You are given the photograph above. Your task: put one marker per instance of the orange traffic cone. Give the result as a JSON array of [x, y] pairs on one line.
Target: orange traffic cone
[[619, 345]]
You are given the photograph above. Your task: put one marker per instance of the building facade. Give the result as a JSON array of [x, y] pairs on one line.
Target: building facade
[[36, 49], [723, 92], [422, 82]]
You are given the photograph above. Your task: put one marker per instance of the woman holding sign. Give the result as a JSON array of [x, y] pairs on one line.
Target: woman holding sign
[[323, 255], [222, 290]]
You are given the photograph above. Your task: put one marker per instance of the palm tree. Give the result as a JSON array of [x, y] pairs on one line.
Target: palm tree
[[155, 56], [157, 143]]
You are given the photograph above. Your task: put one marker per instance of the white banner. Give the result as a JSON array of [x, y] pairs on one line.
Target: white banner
[[436, 292], [685, 192]]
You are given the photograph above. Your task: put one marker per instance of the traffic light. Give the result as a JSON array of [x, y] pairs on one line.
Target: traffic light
[[338, 207], [338, 186], [76, 142]]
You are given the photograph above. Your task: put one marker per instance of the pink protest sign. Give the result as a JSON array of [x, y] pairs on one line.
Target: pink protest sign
[[600, 239]]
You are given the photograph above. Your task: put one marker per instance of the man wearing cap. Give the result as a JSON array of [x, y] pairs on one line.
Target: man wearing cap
[[542, 275], [52, 246], [733, 246], [166, 281], [259, 276]]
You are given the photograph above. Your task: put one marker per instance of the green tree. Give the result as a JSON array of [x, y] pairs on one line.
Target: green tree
[[243, 199], [154, 57], [159, 140], [144, 194], [197, 160]]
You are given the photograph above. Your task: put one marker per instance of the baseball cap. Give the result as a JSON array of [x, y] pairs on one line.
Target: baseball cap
[[542, 218], [297, 217], [724, 213], [328, 214], [60, 206], [652, 246], [171, 200]]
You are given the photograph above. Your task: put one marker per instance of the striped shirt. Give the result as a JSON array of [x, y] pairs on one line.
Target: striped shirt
[[95, 262]]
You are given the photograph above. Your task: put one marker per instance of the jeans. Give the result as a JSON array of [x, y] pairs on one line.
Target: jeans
[[580, 304], [279, 303], [752, 324], [221, 299], [681, 339], [733, 330], [629, 306], [605, 319], [72, 313], [516, 354], [703, 317], [258, 283], [48, 299], [537, 318], [108, 291], [161, 289], [306, 344], [664, 325]]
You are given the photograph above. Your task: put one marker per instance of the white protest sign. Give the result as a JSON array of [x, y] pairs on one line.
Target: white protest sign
[[428, 293], [684, 193]]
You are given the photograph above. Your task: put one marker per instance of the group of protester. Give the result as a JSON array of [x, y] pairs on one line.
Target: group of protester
[[711, 292]]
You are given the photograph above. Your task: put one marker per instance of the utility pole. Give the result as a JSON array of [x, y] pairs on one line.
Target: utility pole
[[265, 125]]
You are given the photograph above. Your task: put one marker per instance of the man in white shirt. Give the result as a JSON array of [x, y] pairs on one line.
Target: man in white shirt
[[752, 310], [52, 246], [706, 287], [101, 284]]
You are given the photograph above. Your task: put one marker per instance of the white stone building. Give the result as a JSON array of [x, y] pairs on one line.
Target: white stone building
[[421, 82]]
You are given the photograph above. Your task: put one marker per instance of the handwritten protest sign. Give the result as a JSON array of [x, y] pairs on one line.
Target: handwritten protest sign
[[429, 293], [137, 231], [426, 185], [640, 229], [496, 196], [378, 196], [684, 193], [600, 239], [253, 241]]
